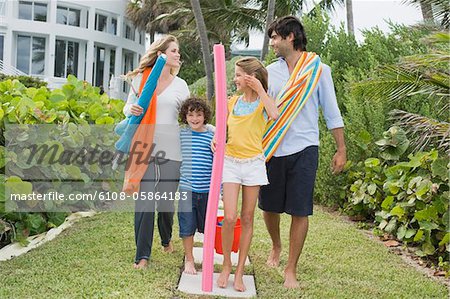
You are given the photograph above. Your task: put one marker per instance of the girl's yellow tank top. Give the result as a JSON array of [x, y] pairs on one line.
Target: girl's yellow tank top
[[245, 132]]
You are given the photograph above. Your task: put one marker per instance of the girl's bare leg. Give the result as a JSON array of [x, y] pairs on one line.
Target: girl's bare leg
[[230, 200], [249, 198]]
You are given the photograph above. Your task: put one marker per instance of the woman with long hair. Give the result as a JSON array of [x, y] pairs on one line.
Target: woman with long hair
[[157, 185]]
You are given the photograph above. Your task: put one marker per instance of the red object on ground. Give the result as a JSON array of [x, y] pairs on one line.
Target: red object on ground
[[218, 240]]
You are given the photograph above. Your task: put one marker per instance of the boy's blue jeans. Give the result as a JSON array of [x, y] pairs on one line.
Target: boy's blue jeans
[[192, 213]]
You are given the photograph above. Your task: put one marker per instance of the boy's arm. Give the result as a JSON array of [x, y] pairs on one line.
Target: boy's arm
[[213, 142]]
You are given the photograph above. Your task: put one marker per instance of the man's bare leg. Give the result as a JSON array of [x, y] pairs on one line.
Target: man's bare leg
[[298, 232], [272, 221]]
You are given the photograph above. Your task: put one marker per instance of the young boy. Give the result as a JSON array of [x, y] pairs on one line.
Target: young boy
[[196, 167]]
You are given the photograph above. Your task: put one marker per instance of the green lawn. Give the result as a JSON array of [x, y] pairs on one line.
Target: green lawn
[[94, 259]]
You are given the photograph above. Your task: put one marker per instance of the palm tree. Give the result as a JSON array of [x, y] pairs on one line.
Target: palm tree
[[425, 75], [142, 13], [349, 10], [270, 17], [330, 5], [283, 7], [427, 11], [226, 20], [433, 11], [204, 42]]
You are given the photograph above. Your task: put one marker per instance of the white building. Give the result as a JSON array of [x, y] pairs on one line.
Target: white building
[[50, 39]]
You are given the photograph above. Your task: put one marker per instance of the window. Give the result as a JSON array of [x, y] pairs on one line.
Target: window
[[68, 16], [2, 7], [2, 41], [100, 22], [73, 17], [31, 54], [129, 32], [127, 67], [66, 58], [142, 38], [99, 66], [25, 10], [112, 62], [33, 11], [113, 26], [40, 12]]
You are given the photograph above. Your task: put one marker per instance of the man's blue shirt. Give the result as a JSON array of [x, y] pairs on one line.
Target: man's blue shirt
[[304, 130]]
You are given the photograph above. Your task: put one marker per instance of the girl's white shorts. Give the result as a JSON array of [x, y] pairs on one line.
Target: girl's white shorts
[[247, 172]]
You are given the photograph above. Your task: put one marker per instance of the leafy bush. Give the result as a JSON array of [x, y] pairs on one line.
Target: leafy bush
[[70, 110], [364, 117], [28, 81], [405, 197], [199, 87]]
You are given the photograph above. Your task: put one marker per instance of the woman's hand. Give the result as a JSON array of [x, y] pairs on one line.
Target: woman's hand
[[254, 83], [136, 110]]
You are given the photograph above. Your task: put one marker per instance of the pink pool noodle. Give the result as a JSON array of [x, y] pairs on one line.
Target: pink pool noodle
[[216, 178]]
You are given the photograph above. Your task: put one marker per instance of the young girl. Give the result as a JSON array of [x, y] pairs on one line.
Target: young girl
[[244, 160], [196, 168]]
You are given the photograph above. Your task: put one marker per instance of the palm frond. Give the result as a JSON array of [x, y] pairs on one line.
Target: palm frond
[[423, 131], [235, 16], [424, 74], [439, 38], [439, 9], [397, 82], [330, 5], [282, 7], [438, 61], [144, 15]]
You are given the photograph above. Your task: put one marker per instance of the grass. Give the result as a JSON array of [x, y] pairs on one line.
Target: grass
[[94, 259]]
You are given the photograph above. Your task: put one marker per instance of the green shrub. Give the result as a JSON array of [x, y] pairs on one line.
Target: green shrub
[[199, 87], [405, 196], [28, 81], [71, 110], [192, 72], [363, 116]]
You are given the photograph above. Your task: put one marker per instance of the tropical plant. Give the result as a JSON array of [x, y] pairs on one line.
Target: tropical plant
[[363, 116], [61, 121], [433, 11], [204, 43], [226, 21], [330, 5], [28, 81], [405, 197], [421, 75], [193, 67], [269, 20], [425, 131], [142, 13]]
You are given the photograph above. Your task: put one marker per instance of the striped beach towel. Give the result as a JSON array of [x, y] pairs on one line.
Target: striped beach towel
[[291, 100]]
